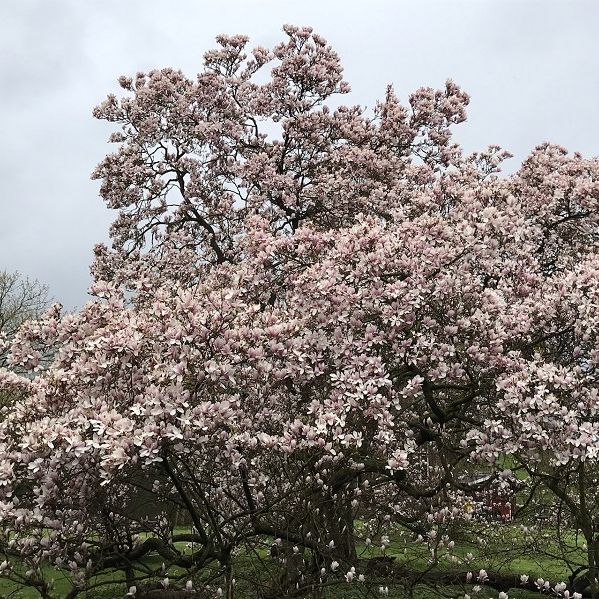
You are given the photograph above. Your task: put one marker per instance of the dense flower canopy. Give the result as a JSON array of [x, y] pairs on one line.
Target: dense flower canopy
[[302, 306]]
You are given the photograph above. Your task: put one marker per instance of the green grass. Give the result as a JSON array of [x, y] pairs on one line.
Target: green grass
[[504, 552]]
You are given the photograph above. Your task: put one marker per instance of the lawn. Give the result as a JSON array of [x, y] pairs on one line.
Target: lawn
[[505, 548]]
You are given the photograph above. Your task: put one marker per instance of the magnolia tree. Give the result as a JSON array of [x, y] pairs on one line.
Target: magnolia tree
[[314, 326]]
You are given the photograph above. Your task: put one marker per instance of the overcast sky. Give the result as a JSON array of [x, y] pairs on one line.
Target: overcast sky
[[530, 67]]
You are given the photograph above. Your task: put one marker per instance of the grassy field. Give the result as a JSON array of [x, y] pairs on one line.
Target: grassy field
[[505, 548]]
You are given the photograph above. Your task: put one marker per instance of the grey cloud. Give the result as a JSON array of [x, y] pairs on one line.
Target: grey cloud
[[529, 66], [36, 38]]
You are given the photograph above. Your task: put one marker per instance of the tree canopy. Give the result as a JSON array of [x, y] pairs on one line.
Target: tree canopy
[[315, 324]]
